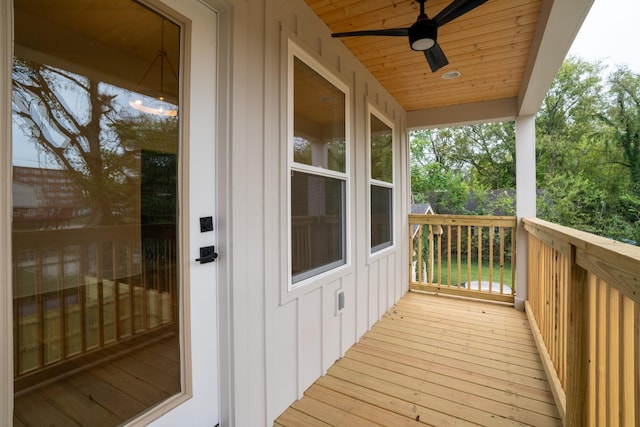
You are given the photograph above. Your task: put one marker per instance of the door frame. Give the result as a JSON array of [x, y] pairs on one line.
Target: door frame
[[222, 226], [224, 91], [6, 306]]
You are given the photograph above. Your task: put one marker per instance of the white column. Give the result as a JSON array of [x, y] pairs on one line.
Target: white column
[[525, 198]]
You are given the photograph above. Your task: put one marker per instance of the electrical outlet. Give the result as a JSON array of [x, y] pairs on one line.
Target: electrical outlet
[[339, 301]]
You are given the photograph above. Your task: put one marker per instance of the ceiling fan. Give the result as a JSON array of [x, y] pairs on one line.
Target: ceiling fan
[[424, 32]]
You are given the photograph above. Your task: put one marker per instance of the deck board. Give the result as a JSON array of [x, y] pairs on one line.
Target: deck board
[[104, 394], [434, 360]]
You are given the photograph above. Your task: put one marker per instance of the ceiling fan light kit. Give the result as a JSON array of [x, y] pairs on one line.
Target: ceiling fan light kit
[[423, 34], [451, 75]]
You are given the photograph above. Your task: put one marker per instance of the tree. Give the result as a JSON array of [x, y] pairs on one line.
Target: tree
[[435, 179], [567, 129], [74, 120], [623, 116], [444, 190], [455, 167], [488, 151], [573, 200]]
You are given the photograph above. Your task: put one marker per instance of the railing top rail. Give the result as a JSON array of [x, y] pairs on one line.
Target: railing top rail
[[481, 220], [27, 239], [615, 262]]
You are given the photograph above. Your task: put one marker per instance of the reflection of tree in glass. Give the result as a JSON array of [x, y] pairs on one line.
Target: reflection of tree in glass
[[301, 150], [337, 155], [75, 120], [382, 157]]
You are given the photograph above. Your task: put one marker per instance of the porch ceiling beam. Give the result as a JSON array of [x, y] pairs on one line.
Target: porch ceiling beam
[[455, 115], [558, 25]]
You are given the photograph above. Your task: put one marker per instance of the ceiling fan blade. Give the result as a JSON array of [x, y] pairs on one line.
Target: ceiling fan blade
[[393, 32], [455, 9], [435, 57]]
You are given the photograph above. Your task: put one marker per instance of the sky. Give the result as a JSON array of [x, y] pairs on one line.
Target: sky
[[610, 33]]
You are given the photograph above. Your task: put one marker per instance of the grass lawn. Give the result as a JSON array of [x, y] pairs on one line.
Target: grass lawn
[[455, 280]]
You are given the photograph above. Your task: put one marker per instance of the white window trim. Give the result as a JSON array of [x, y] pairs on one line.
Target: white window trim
[[374, 254], [293, 47]]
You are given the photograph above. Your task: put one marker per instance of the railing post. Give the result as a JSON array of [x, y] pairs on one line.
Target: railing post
[[577, 345]]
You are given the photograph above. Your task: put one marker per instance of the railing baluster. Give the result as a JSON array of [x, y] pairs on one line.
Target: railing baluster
[[459, 253], [64, 345], [40, 310], [501, 259], [17, 360], [469, 255], [601, 352], [491, 230], [636, 357], [613, 355], [512, 260], [100, 291], [116, 290], [449, 255], [432, 256], [420, 252], [577, 355], [130, 280], [592, 391], [438, 250], [479, 228]]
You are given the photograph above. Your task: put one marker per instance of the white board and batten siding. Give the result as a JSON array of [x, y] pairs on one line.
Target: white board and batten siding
[[280, 346]]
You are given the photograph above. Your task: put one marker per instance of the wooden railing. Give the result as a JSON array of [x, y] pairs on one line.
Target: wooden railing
[[584, 306], [471, 256], [315, 241], [79, 291]]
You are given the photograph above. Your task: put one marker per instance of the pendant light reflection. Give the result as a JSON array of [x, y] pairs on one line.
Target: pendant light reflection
[[157, 106], [138, 104]]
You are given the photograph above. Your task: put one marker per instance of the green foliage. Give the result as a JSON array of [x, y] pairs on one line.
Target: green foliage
[[443, 189], [573, 200], [458, 170], [568, 134], [587, 157], [623, 116]]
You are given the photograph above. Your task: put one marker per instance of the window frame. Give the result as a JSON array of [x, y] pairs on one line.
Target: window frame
[[316, 277], [374, 251]]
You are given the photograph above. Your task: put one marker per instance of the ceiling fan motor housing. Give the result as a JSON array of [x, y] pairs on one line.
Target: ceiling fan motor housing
[[422, 34]]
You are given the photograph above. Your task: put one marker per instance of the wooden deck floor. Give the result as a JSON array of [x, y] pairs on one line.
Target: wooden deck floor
[[106, 394], [434, 360]]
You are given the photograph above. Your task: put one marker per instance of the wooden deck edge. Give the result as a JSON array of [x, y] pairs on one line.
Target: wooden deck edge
[[554, 382], [476, 295]]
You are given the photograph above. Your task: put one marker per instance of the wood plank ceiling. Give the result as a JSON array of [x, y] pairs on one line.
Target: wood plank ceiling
[[489, 46]]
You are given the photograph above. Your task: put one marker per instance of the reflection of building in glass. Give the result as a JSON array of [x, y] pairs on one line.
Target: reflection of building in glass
[[48, 196]]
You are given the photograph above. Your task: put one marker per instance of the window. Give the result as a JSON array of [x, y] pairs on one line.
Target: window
[[381, 192], [317, 171]]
